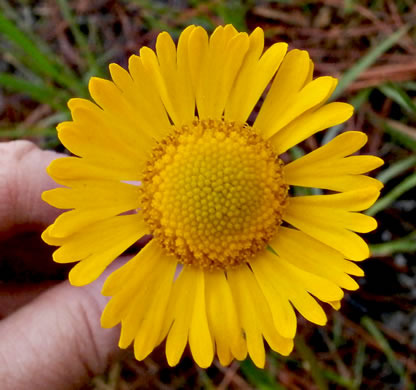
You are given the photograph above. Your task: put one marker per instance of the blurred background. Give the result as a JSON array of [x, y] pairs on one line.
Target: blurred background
[[50, 49]]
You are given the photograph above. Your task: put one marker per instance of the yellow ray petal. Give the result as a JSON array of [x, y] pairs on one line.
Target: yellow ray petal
[[124, 198], [90, 268], [348, 243], [309, 77], [289, 79], [335, 305], [219, 69], [73, 221], [137, 304], [115, 310], [148, 333], [143, 262], [223, 320], [121, 77], [102, 126], [171, 309], [200, 339], [261, 310], [120, 308], [241, 283], [353, 165], [323, 289], [123, 282], [143, 98], [135, 299], [94, 194], [341, 146], [329, 217], [313, 256], [351, 268], [325, 218], [290, 289], [300, 298], [89, 139], [50, 239], [105, 128], [254, 75], [225, 356], [198, 46], [356, 200], [172, 77], [184, 81], [111, 99], [68, 170], [153, 104], [85, 104], [101, 236], [335, 182], [282, 312], [327, 165], [313, 94], [310, 123], [182, 299]]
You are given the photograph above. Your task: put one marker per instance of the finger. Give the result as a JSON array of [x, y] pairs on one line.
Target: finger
[[56, 341], [15, 295], [23, 178]]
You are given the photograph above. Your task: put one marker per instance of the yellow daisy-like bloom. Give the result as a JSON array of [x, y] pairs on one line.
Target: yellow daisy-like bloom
[[174, 148]]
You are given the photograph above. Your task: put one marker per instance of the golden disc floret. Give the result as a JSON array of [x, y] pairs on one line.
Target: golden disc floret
[[213, 193]]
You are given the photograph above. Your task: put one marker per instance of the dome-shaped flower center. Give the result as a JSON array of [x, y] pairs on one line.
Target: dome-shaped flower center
[[213, 194]]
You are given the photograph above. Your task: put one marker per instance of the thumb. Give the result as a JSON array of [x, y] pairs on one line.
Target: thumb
[[23, 177], [56, 341]]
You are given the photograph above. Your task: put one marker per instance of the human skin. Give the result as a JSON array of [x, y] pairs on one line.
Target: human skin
[[50, 333]]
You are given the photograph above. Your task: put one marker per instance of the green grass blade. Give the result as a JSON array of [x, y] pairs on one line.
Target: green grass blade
[[331, 133], [308, 356], [39, 62], [233, 12], [372, 328], [397, 169], [398, 95], [401, 245], [156, 16], [24, 132], [365, 62], [39, 92], [384, 202], [261, 379], [409, 85], [79, 37], [400, 133], [46, 137], [337, 337], [205, 380], [340, 380], [356, 101], [360, 98], [358, 365]]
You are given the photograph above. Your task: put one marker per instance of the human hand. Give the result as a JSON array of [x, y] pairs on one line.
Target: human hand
[[50, 333]]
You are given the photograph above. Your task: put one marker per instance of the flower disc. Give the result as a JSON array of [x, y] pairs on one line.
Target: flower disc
[[213, 193]]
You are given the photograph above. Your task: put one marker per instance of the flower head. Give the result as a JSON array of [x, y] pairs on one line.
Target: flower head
[[175, 148]]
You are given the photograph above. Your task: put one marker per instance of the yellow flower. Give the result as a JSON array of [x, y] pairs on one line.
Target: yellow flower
[[176, 148]]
